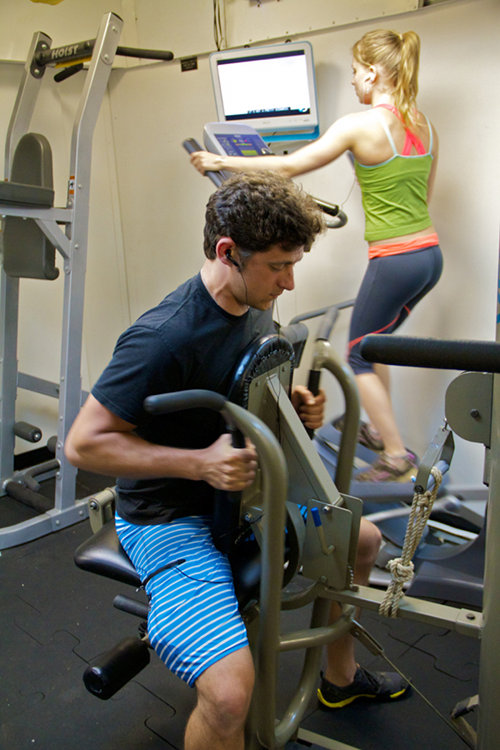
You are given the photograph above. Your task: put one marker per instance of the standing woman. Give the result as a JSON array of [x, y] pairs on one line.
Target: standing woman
[[395, 151]]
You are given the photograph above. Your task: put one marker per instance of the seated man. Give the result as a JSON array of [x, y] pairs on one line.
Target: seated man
[[257, 228]]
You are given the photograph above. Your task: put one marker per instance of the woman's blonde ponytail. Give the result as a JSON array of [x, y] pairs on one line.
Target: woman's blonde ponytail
[[398, 55]]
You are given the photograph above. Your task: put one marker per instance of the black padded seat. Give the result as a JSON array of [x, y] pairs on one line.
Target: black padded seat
[[103, 554]]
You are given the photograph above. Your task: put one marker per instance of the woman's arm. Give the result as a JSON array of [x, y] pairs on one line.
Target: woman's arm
[[339, 137]]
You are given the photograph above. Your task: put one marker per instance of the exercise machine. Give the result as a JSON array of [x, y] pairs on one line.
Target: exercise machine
[[472, 408], [284, 449], [454, 535], [451, 573], [237, 139], [387, 503], [291, 476], [319, 552], [33, 230]]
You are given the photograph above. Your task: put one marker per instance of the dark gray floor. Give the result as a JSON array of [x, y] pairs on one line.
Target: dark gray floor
[[55, 618]]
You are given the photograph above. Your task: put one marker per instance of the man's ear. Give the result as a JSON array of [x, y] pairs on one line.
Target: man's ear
[[224, 251]]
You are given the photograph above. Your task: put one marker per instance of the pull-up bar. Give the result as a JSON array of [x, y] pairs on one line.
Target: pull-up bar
[[72, 56], [75, 53]]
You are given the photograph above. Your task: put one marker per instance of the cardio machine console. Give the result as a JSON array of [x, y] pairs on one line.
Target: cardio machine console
[[237, 139], [233, 139]]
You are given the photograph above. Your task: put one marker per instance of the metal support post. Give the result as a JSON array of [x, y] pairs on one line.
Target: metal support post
[[75, 266], [489, 716]]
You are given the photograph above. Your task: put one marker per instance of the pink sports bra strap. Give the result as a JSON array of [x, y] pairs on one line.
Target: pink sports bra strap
[[412, 140]]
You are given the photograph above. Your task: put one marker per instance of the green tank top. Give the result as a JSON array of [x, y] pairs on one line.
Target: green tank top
[[394, 193]]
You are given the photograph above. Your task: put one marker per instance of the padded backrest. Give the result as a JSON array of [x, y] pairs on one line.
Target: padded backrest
[[27, 253], [261, 356]]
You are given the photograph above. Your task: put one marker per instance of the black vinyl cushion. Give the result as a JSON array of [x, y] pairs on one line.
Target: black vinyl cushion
[[104, 555]]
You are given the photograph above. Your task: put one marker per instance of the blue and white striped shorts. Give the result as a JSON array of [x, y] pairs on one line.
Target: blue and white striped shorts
[[193, 620]]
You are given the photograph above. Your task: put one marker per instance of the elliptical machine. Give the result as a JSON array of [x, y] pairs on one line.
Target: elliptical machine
[[453, 528]]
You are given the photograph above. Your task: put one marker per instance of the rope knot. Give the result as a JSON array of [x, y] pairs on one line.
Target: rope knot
[[424, 502], [402, 568], [400, 572]]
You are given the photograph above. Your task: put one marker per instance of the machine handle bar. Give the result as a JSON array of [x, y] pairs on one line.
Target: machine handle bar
[[475, 356], [331, 314], [191, 145], [333, 210], [313, 386], [166, 403]]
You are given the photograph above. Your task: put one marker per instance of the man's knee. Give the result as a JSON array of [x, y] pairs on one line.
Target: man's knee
[[225, 691], [369, 543]]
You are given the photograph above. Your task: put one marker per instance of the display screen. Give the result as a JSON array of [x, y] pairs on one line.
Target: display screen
[[265, 86], [271, 88]]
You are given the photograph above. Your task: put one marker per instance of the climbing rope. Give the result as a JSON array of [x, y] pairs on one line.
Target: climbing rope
[[401, 568]]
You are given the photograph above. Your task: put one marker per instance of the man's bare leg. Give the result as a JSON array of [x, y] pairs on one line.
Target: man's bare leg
[[341, 660], [224, 694]]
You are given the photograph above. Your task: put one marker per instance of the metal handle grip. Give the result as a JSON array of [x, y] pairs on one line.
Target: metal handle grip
[[191, 145]]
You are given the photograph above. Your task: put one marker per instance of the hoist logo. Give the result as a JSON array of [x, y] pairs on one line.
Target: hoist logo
[[72, 49]]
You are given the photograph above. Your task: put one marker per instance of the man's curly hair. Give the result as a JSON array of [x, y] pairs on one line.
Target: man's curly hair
[[258, 210]]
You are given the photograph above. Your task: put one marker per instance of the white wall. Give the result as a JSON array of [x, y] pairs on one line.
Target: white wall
[[68, 22], [182, 25], [146, 226]]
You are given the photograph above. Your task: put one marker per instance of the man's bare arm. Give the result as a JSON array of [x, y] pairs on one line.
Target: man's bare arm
[[102, 442]]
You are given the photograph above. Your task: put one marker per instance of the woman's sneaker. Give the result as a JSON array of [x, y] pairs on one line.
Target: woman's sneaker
[[366, 436], [390, 469], [377, 686]]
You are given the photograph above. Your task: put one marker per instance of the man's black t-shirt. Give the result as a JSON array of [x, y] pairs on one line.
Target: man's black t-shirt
[[185, 342]]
